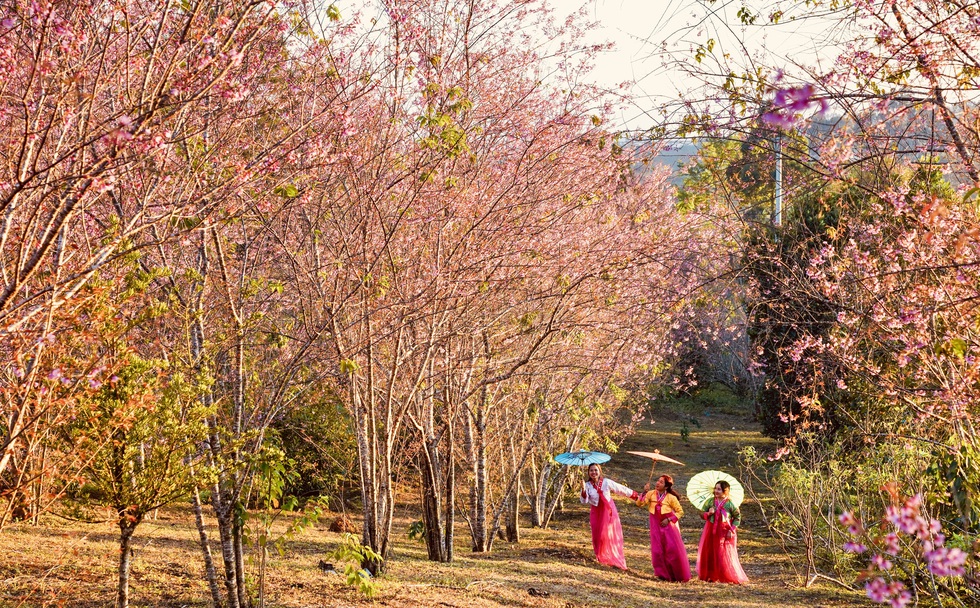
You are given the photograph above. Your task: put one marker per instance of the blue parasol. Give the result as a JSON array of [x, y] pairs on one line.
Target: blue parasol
[[582, 458]]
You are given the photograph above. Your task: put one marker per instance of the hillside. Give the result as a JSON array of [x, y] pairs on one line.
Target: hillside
[[72, 564]]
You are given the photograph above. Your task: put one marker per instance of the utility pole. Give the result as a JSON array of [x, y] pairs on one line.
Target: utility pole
[[778, 202]]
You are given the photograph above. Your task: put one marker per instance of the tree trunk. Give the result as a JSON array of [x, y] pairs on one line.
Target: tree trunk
[[262, 560], [557, 489], [450, 517], [481, 540], [198, 355], [127, 526], [222, 512], [206, 551], [512, 526], [238, 536], [431, 478]]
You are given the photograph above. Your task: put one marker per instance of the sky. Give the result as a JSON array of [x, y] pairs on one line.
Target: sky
[[640, 28]]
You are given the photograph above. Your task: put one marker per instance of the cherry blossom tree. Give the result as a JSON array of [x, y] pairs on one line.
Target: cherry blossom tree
[[101, 119]]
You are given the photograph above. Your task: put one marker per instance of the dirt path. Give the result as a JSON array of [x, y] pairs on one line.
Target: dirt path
[[70, 564]]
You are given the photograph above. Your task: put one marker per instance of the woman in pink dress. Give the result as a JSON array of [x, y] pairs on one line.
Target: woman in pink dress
[[718, 550], [607, 532], [667, 551]]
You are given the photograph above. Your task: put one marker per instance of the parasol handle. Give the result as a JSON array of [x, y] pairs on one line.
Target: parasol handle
[[653, 465]]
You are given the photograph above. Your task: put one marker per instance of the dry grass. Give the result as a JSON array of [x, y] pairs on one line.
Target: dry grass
[[71, 564]]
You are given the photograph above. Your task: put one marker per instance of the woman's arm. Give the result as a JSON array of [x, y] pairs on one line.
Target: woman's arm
[[589, 496], [707, 508], [618, 488], [675, 506], [735, 516]]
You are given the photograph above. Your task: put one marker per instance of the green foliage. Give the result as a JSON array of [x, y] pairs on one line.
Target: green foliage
[[354, 554], [140, 428], [685, 432], [928, 179], [273, 471], [711, 398], [445, 135], [286, 191], [704, 50], [317, 437], [416, 530], [348, 366], [706, 174], [820, 478], [957, 468]]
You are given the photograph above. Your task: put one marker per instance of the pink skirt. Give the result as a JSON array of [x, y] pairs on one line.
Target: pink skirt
[[607, 534], [667, 551]]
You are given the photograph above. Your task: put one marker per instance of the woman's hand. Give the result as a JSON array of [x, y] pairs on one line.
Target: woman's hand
[[711, 511], [664, 523], [729, 535]]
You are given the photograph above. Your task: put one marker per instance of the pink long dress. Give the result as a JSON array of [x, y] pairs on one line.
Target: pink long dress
[[607, 532], [667, 551], [717, 554]]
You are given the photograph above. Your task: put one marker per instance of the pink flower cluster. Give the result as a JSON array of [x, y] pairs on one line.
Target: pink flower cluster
[[789, 105], [893, 593], [925, 532]]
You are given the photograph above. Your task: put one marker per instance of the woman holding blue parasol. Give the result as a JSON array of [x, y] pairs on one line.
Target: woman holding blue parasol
[[607, 531]]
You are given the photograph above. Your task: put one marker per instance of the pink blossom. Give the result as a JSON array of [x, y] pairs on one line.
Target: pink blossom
[[789, 104], [893, 593], [877, 589], [946, 562], [899, 596], [891, 543]]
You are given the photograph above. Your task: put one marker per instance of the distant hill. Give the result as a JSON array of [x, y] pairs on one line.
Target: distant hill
[[673, 156]]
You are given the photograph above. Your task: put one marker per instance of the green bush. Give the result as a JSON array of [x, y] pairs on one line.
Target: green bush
[[816, 481], [317, 437]]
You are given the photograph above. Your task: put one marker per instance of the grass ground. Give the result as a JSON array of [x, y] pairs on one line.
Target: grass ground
[[71, 564]]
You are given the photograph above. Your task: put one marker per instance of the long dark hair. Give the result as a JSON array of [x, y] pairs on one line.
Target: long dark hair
[[669, 485]]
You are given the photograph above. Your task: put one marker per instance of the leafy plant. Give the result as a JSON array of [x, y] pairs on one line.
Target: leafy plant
[[354, 553], [274, 471], [416, 530]]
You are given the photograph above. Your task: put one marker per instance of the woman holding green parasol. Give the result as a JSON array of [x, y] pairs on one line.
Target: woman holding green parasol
[[718, 548]]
